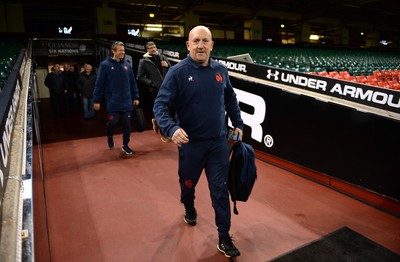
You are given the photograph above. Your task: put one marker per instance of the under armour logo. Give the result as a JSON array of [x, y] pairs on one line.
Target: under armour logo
[[274, 74], [191, 79]]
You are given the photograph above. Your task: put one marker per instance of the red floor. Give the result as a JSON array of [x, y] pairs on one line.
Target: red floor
[[104, 208]]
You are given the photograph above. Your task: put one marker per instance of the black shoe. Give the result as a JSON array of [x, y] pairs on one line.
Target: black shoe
[[226, 246], [127, 151], [190, 217]]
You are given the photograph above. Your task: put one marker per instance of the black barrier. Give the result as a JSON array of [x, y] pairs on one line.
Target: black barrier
[[9, 99], [349, 145]]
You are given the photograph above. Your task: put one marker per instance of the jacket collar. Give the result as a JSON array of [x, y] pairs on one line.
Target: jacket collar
[[211, 62]]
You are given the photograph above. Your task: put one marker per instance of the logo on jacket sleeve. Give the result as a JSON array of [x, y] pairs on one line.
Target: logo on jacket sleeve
[[219, 78]]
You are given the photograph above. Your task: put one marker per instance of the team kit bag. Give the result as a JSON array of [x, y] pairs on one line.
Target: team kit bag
[[242, 172], [140, 121]]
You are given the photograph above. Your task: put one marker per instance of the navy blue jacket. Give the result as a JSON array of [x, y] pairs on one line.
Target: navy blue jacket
[[116, 82], [200, 97]]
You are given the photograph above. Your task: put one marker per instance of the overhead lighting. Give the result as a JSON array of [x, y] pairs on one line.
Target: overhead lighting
[[314, 37], [282, 26], [153, 27], [151, 15]]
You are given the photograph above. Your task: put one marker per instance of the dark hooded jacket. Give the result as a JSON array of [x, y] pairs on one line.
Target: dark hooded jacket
[[116, 82]]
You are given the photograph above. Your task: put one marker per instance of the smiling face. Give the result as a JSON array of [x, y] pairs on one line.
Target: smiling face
[[118, 50], [200, 44]]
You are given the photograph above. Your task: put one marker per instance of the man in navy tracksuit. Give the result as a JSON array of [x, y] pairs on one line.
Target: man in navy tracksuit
[[116, 82], [199, 89]]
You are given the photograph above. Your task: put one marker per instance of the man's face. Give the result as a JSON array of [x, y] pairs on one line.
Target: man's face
[[152, 49], [57, 68], [200, 45], [119, 52], [88, 69]]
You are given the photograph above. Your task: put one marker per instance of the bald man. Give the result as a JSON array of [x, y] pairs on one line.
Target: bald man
[[199, 89]]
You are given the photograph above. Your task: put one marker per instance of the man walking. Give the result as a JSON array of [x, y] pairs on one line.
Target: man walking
[[199, 89], [151, 72], [116, 82]]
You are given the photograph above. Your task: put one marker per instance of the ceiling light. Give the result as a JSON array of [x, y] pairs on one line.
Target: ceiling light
[[153, 27]]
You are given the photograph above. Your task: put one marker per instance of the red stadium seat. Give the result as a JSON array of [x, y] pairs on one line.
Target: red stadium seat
[[383, 84], [394, 85], [371, 83], [372, 79], [323, 73], [350, 78], [361, 79]]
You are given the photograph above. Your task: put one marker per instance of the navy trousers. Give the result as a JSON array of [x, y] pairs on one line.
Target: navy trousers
[[213, 157], [113, 119]]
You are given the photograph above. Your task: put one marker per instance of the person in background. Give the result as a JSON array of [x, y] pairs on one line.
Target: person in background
[[86, 83], [72, 78], [51, 91], [151, 72], [58, 86], [117, 84], [199, 89], [77, 93]]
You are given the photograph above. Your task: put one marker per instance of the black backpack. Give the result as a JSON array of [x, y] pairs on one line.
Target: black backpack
[[140, 121], [242, 172]]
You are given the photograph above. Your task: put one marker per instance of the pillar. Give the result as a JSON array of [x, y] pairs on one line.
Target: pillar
[[11, 18], [106, 21], [190, 21], [253, 30]]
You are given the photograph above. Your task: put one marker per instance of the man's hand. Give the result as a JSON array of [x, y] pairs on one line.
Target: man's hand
[[180, 137], [238, 131], [164, 64], [96, 106]]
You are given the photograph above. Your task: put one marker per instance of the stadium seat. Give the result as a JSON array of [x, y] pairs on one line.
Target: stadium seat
[[361, 79], [394, 85], [323, 73], [350, 78], [371, 83], [383, 84]]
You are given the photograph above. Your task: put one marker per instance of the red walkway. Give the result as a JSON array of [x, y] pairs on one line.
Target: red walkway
[[104, 208]]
